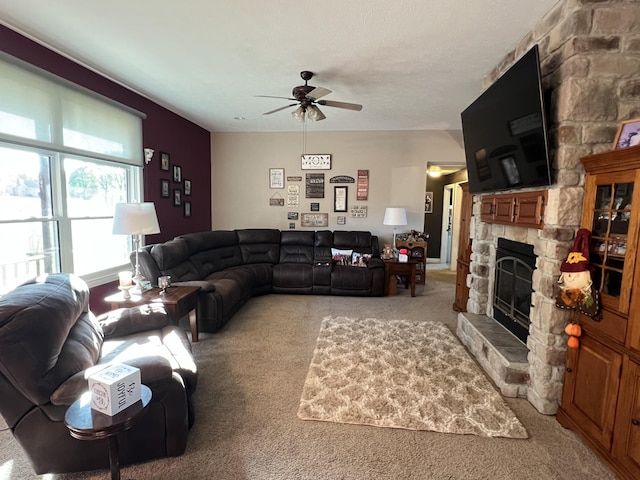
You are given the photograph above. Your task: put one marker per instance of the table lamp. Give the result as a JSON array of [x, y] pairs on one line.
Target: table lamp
[[136, 219], [395, 216]]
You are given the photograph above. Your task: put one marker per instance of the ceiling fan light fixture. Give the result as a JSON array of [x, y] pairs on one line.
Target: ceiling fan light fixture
[[315, 114], [298, 113]]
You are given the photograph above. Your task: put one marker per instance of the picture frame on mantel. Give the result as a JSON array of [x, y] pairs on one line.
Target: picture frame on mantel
[[628, 134]]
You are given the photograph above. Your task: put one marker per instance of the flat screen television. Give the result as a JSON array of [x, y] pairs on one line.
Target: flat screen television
[[504, 130]]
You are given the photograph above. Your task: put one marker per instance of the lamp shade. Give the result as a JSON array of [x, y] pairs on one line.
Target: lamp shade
[[135, 219], [395, 216]]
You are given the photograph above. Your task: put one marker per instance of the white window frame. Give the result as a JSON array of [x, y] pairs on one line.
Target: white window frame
[[132, 158]]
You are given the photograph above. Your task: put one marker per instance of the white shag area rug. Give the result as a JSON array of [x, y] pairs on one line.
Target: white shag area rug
[[401, 374]]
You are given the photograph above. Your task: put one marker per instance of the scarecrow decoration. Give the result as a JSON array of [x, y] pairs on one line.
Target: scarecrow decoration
[[576, 288]]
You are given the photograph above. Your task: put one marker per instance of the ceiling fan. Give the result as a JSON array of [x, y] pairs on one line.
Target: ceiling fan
[[307, 97]]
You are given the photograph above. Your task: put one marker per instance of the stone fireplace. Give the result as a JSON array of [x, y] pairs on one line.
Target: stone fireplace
[[590, 56]]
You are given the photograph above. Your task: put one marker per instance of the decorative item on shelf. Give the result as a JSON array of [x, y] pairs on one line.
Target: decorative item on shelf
[[387, 252], [148, 155], [136, 219], [395, 216], [628, 134], [125, 283], [164, 282]]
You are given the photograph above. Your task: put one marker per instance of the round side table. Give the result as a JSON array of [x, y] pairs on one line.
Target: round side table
[[84, 423]]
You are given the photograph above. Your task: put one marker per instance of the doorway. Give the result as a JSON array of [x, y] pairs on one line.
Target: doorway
[[446, 240]]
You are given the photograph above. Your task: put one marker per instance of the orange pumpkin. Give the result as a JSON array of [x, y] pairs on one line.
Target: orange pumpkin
[[573, 342], [573, 329]]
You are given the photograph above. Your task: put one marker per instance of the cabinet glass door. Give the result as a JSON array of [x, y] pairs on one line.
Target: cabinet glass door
[[610, 231]]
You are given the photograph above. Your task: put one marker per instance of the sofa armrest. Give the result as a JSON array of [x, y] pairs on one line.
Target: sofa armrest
[[154, 370], [205, 285], [375, 263], [125, 321]]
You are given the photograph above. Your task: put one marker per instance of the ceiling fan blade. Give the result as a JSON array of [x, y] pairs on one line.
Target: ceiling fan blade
[[318, 92], [278, 109], [271, 96], [348, 106]]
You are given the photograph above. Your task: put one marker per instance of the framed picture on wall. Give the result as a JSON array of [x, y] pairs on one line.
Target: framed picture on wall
[[428, 202], [187, 209], [187, 187], [177, 197], [177, 173], [164, 161], [340, 199], [165, 191]]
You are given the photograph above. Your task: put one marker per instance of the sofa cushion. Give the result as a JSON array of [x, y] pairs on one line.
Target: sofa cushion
[[297, 247], [173, 258], [358, 241], [259, 245], [48, 334]]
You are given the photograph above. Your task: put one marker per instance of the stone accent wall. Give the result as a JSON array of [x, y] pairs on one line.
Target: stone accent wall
[[590, 59]]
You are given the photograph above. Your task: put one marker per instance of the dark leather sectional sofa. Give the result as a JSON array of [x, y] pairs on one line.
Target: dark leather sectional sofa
[[231, 266]]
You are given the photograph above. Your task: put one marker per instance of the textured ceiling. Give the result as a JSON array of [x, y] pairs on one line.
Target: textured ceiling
[[412, 64]]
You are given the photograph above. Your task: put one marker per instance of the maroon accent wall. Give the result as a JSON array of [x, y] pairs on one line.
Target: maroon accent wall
[[188, 144]]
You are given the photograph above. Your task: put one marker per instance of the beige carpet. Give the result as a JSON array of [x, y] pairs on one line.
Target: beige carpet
[[401, 374], [250, 377]]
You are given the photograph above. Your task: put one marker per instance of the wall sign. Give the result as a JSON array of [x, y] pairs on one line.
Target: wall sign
[[363, 185], [315, 207], [316, 162], [342, 220], [294, 179], [314, 220], [293, 195], [342, 179], [358, 211], [276, 178], [292, 215], [315, 185]]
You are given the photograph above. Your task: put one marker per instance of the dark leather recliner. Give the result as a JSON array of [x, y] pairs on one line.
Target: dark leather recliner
[[50, 342]]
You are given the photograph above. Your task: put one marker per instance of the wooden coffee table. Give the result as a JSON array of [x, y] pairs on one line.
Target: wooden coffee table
[[394, 267], [85, 423], [178, 300]]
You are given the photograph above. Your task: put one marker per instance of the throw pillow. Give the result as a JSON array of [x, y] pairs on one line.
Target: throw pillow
[[360, 259], [341, 257]]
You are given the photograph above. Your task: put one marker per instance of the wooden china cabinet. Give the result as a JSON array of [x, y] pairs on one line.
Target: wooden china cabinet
[[601, 393]]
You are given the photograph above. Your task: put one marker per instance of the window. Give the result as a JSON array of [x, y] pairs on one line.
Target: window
[[66, 158]]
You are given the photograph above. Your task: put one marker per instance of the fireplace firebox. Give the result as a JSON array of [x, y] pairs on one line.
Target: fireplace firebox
[[515, 263]]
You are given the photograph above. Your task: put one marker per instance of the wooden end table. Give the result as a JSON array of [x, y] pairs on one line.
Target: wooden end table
[[85, 423], [407, 269], [178, 300]]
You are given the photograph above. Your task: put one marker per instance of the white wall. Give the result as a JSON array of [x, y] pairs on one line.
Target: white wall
[[396, 160]]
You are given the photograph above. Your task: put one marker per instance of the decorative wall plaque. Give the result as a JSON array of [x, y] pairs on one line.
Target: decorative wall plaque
[[363, 186], [315, 207], [294, 179], [342, 220], [315, 185], [358, 211], [292, 215], [314, 219], [293, 195], [342, 179], [316, 162]]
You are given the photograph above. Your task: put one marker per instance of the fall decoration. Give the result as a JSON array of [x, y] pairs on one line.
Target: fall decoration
[[573, 342], [573, 329], [576, 288]]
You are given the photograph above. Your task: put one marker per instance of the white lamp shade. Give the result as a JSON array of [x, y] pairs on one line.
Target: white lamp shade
[[395, 216], [135, 219]]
